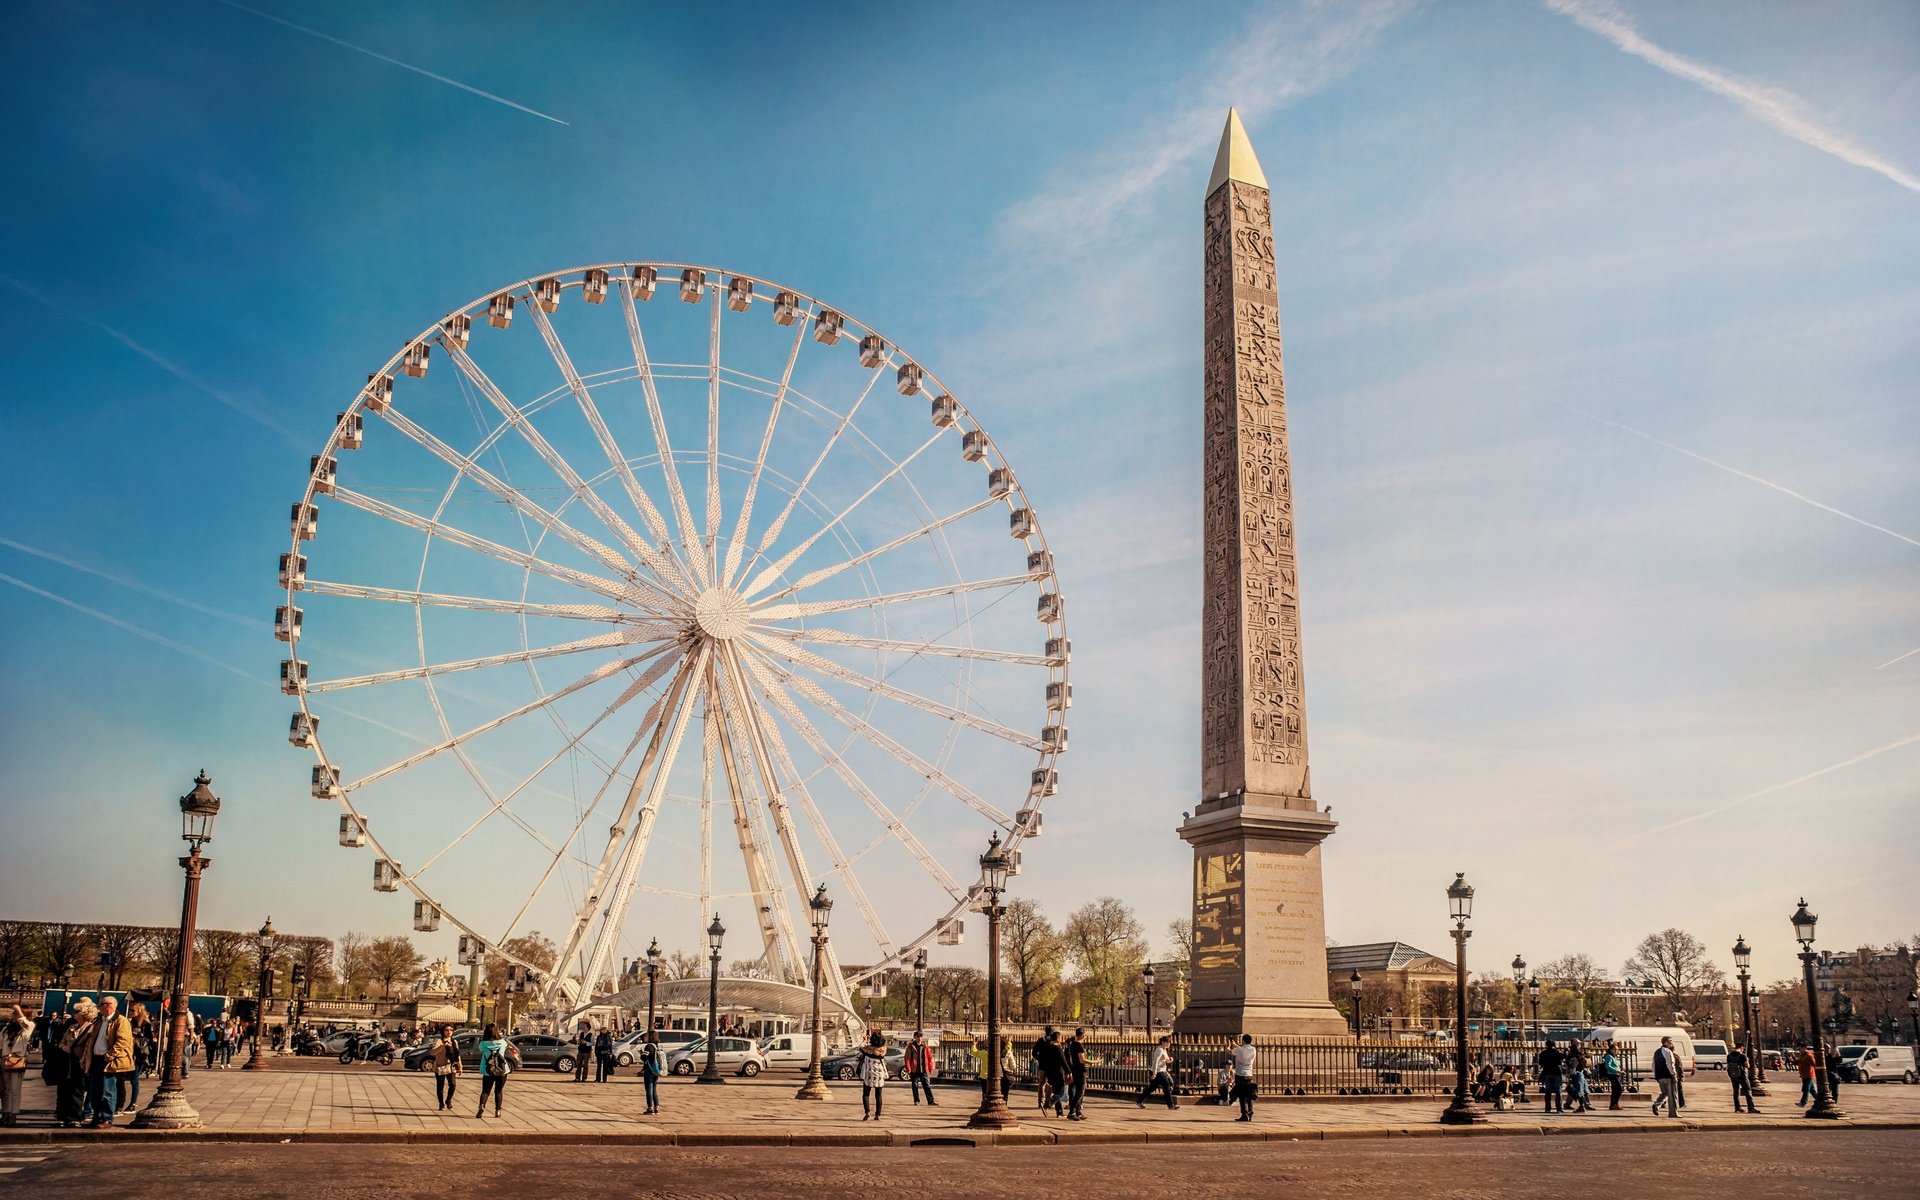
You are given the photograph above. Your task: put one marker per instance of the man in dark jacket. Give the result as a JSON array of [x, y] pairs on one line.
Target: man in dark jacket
[[1666, 1073], [1076, 1054], [1549, 1062], [1052, 1062], [1739, 1078]]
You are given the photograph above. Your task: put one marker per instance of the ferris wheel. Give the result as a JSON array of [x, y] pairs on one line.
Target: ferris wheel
[[692, 597]]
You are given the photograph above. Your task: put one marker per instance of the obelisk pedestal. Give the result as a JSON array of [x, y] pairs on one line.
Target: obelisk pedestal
[[1259, 957]]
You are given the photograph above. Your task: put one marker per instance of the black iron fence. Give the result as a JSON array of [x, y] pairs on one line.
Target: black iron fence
[[1375, 1065]]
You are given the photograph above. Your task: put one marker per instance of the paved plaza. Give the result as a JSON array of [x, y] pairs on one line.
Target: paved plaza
[[329, 1102]]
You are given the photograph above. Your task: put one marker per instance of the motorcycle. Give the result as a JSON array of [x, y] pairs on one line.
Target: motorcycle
[[374, 1049]]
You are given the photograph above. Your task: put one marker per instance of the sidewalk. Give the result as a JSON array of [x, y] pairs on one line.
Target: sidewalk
[[367, 1104]]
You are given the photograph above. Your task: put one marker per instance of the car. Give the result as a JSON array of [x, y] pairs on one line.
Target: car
[[626, 1051], [1710, 1054], [415, 1057], [790, 1050], [739, 1055], [1867, 1064], [846, 1064], [542, 1050]]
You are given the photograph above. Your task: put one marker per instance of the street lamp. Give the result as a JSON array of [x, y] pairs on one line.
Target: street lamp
[[920, 991], [1519, 965], [1913, 1011], [1353, 989], [1823, 1107], [820, 909], [653, 972], [715, 932], [1533, 996], [993, 1112], [1463, 1111], [263, 945], [169, 1108], [1146, 976]]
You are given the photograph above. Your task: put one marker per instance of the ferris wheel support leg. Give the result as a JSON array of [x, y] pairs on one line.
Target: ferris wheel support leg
[[776, 934]]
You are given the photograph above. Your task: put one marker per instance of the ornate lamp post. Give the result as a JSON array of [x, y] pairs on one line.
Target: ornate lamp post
[[653, 973], [1823, 1107], [1913, 1011], [1463, 1111], [263, 946], [715, 932], [1146, 977], [1353, 989], [820, 909], [169, 1108], [993, 1112], [1742, 959], [1519, 965], [920, 991], [1533, 998]]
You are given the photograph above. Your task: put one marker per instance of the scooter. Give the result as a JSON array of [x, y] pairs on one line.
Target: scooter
[[374, 1049]]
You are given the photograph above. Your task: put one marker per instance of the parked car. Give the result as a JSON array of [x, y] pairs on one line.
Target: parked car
[[415, 1057], [791, 1050], [1877, 1064], [1710, 1054], [541, 1050], [846, 1064], [626, 1051], [1400, 1060], [736, 1055]]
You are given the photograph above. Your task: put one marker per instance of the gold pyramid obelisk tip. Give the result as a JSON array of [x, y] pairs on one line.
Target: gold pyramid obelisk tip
[[1235, 160]]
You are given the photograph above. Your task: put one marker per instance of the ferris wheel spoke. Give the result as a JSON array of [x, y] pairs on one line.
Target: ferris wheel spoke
[[837, 763], [709, 748], [741, 749], [715, 308], [772, 533], [739, 542], [597, 642], [811, 692], [812, 577], [591, 547], [768, 611], [454, 743], [649, 514], [840, 637], [557, 463], [774, 570], [638, 592], [802, 657], [646, 623], [689, 533]]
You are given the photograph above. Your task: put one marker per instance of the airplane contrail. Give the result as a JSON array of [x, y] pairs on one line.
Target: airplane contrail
[[1896, 658], [1776, 106], [325, 37], [1767, 483], [137, 631], [200, 385], [130, 583], [1909, 740]]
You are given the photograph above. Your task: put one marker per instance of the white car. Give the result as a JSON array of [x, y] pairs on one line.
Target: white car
[[1873, 1064], [1710, 1054], [737, 1056], [791, 1050]]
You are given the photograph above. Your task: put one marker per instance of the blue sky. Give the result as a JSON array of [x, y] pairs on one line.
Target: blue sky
[[1538, 277]]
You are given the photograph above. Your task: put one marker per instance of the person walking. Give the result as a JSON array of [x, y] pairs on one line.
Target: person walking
[[1610, 1071], [1578, 1089], [1159, 1075], [582, 1051], [1243, 1085], [1805, 1062], [1007, 1068], [70, 1106], [873, 1076], [1666, 1069], [1834, 1065], [1076, 1053], [1549, 1063], [920, 1068], [130, 1078], [498, 1059], [16, 1038], [650, 1067], [603, 1063], [445, 1060], [1739, 1077], [1051, 1060], [108, 1054], [229, 1041]]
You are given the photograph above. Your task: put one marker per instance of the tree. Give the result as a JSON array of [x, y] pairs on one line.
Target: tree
[[1031, 952], [122, 942], [222, 956], [1108, 944], [950, 987], [350, 954], [535, 948], [61, 948], [682, 965], [1875, 983], [1582, 976], [18, 947], [314, 955], [1674, 963], [392, 958]]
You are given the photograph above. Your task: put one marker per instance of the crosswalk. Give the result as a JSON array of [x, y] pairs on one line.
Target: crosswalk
[[13, 1161]]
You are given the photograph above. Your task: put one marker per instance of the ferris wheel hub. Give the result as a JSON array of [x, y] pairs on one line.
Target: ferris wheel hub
[[721, 613]]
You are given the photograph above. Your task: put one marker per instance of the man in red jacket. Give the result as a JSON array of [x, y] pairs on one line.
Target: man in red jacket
[[919, 1067]]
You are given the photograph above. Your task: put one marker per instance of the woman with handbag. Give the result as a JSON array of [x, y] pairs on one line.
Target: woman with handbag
[[16, 1036], [445, 1057]]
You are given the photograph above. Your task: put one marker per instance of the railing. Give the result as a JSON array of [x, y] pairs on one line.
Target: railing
[[1369, 1066]]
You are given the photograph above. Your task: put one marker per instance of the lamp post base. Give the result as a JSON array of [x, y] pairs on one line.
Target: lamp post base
[[1463, 1111], [169, 1110], [1825, 1110], [815, 1088], [711, 1077], [993, 1114]]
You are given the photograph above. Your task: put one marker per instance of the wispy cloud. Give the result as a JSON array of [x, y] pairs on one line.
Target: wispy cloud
[[1747, 475], [174, 369], [157, 638], [1292, 51], [1777, 107], [326, 37], [127, 581], [1782, 786]]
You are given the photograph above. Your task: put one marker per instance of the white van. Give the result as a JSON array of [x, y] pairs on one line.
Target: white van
[[790, 1050], [1710, 1054], [1645, 1039], [1877, 1064]]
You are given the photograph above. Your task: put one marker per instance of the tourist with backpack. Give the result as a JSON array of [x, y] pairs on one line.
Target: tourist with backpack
[[498, 1059], [650, 1068]]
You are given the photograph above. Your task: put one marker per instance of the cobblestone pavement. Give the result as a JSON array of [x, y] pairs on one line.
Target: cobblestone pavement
[[1787, 1164], [396, 1104]]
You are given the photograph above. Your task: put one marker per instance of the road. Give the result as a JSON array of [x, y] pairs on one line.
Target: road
[[1762, 1165]]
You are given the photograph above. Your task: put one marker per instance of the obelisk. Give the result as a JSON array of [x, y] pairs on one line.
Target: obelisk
[[1259, 957]]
